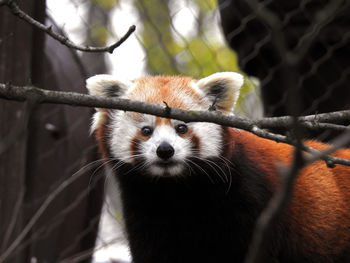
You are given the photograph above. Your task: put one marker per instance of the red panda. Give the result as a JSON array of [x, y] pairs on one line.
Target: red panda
[[191, 192]]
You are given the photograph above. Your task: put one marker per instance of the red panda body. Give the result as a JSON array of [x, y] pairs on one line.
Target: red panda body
[[192, 192]]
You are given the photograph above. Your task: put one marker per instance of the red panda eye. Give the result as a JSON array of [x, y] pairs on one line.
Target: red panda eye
[[181, 128], [147, 131]]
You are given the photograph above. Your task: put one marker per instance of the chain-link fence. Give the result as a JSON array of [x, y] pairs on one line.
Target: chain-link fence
[[315, 34], [189, 37]]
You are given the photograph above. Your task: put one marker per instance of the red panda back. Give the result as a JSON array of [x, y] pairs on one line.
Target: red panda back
[[319, 213]]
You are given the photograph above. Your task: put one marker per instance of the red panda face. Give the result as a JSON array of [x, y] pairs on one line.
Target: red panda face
[[160, 146], [163, 146]]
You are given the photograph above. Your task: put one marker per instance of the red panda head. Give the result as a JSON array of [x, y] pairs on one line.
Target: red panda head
[[160, 146]]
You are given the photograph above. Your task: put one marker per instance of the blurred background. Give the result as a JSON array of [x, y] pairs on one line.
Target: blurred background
[[52, 182]]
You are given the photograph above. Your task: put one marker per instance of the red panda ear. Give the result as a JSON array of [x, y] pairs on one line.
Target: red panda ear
[[221, 89], [107, 85]]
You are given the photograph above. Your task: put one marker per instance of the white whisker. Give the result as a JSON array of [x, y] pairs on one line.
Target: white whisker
[[209, 162], [200, 168]]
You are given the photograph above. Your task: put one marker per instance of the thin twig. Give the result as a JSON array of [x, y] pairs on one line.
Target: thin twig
[[6, 144], [336, 144], [281, 198], [330, 160], [44, 230], [39, 213], [63, 39], [83, 255], [75, 56]]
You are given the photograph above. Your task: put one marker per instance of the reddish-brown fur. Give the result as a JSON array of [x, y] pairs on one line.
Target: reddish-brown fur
[[101, 137], [163, 90], [319, 214]]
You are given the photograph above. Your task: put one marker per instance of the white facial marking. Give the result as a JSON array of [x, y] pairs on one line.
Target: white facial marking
[[123, 131], [210, 138]]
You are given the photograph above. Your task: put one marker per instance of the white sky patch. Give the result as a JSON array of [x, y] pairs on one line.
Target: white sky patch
[[183, 14], [128, 60]]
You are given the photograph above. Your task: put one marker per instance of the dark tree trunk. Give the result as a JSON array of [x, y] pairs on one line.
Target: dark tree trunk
[[49, 151]]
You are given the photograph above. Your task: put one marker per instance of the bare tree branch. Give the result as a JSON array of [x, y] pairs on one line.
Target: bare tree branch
[[321, 121], [254, 126], [63, 39], [317, 121]]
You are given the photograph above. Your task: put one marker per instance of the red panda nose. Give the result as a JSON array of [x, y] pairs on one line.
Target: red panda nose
[[165, 151]]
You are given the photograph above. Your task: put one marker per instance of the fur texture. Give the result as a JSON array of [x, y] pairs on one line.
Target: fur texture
[[192, 192]]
